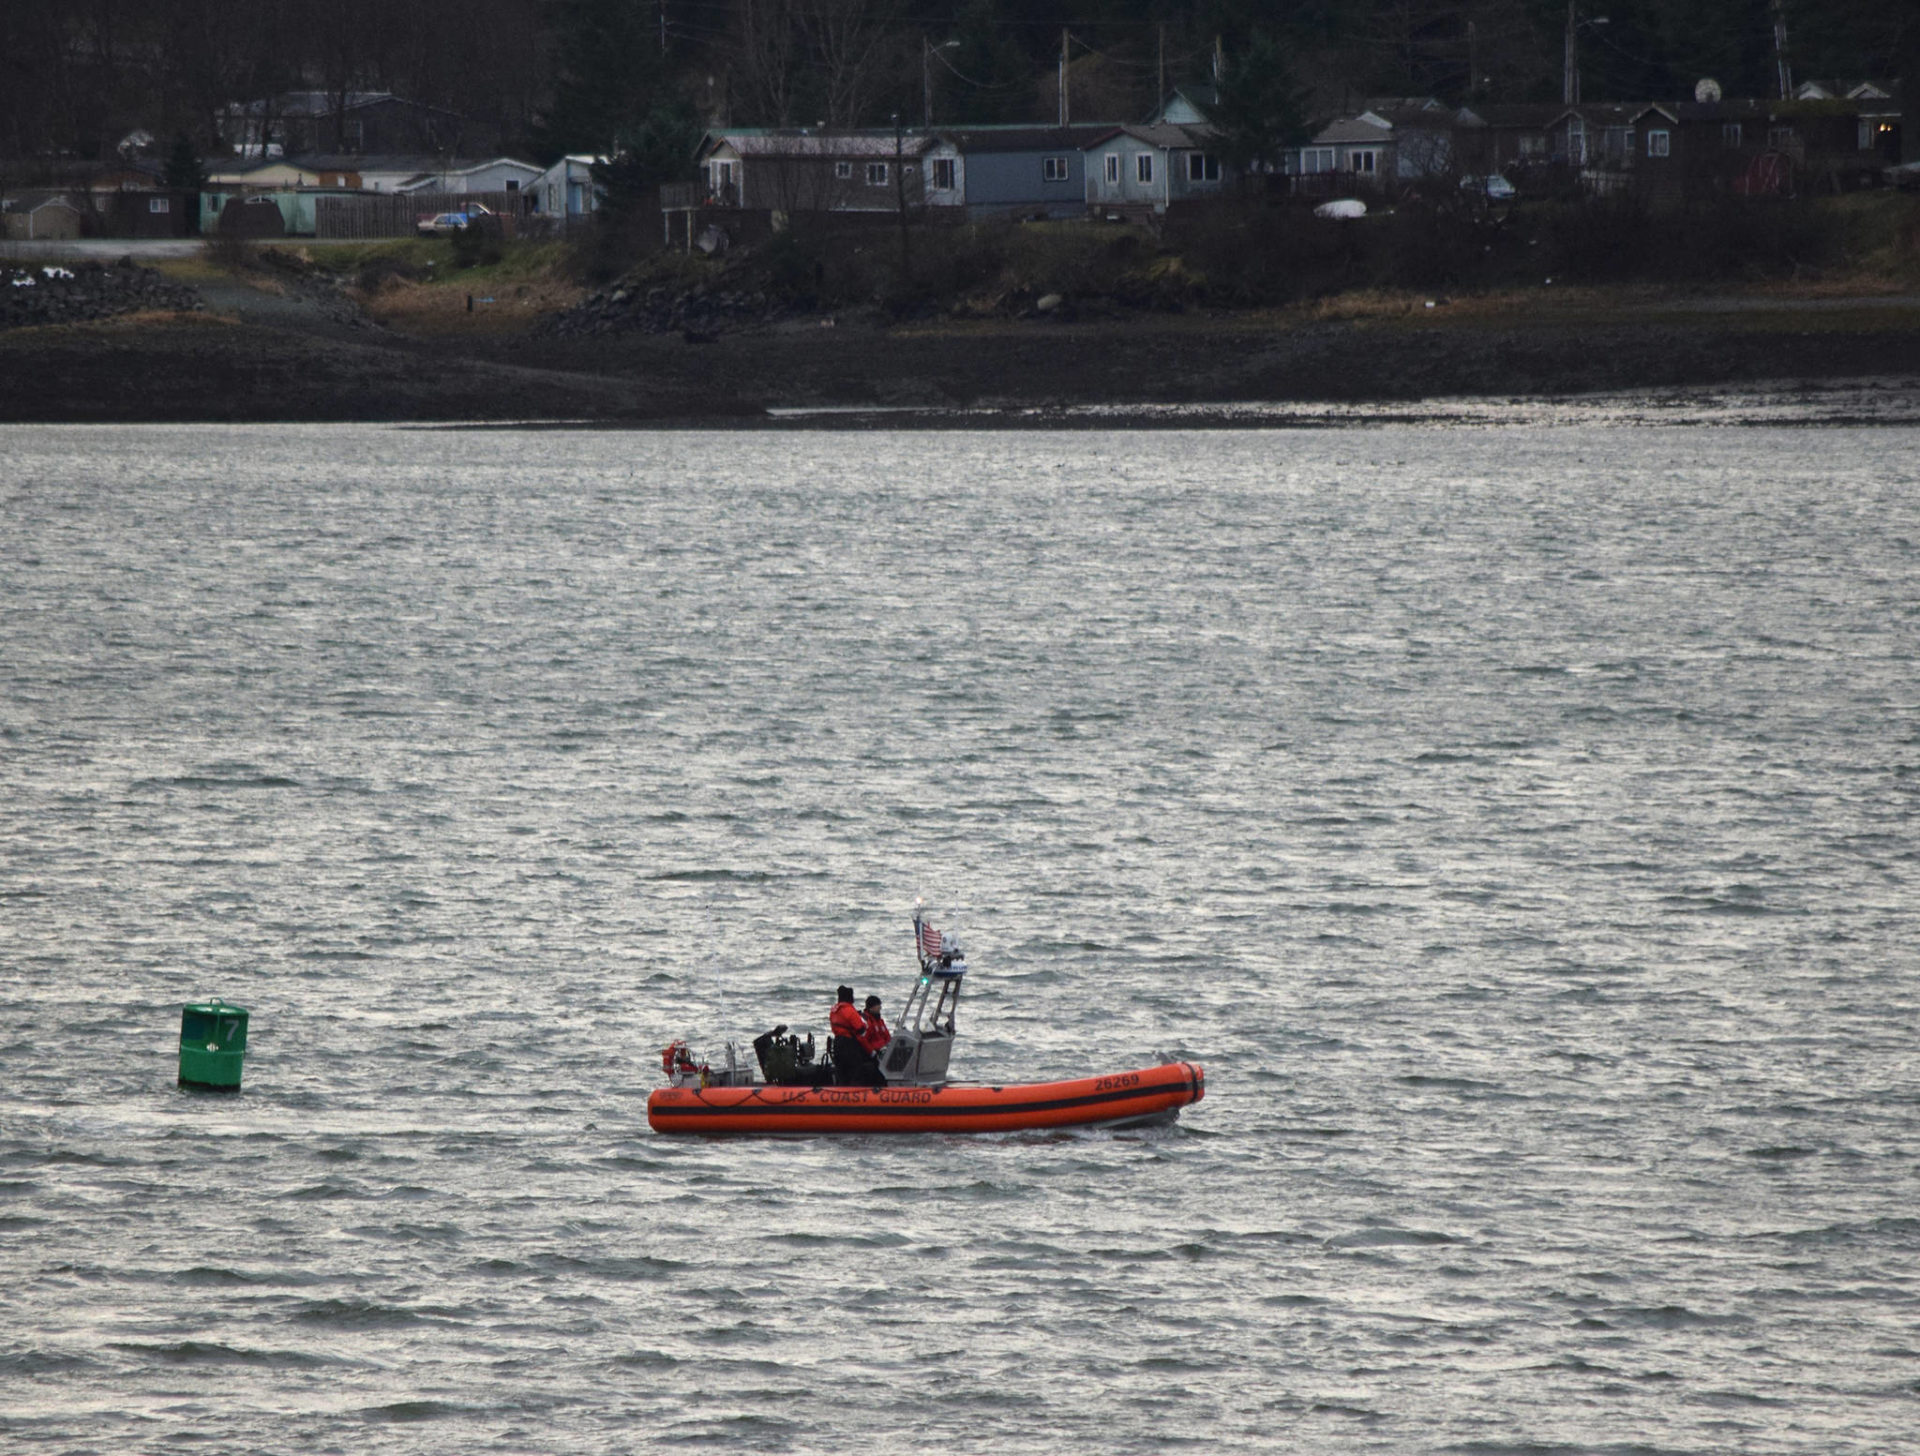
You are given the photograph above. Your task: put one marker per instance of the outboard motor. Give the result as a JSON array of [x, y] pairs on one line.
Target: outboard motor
[[787, 1061]]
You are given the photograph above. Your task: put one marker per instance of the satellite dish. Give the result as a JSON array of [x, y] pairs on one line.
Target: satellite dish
[[1706, 89]]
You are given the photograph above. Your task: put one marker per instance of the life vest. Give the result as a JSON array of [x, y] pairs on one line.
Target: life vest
[[876, 1035], [847, 1021]]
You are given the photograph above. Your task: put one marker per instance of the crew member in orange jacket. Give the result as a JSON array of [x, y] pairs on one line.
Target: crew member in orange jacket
[[876, 1036], [853, 1064]]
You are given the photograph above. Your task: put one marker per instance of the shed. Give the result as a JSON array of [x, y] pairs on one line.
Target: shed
[[33, 216], [246, 216]]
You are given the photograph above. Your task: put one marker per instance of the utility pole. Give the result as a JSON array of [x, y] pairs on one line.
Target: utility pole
[[1065, 110], [1473, 62], [900, 198], [1163, 65], [1780, 50], [928, 50], [1570, 85]]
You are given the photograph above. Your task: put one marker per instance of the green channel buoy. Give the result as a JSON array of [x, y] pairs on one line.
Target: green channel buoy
[[213, 1044]]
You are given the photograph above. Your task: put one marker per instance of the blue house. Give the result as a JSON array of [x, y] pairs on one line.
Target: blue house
[[1009, 171]]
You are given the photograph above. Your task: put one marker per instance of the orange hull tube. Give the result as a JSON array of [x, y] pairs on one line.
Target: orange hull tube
[[1147, 1095]]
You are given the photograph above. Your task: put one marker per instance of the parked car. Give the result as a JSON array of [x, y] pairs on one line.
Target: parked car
[[1493, 187], [1905, 176], [439, 224]]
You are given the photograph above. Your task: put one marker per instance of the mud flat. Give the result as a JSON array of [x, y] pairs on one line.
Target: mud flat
[[285, 364]]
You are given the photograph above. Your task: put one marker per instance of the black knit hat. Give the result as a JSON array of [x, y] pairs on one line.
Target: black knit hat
[[846, 993], [873, 1003]]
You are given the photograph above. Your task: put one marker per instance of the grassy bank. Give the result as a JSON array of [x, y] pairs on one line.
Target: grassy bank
[[1277, 262], [1260, 257], [425, 286]]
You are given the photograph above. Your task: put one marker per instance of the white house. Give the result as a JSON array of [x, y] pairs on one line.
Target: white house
[[566, 190], [1135, 167]]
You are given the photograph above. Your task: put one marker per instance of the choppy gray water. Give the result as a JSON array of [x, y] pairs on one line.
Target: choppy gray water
[[1518, 823]]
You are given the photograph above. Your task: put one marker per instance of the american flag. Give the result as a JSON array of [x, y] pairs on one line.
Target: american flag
[[929, 941]]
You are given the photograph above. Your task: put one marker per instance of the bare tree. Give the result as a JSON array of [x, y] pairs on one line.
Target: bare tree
[[857, 46], [767, 61]]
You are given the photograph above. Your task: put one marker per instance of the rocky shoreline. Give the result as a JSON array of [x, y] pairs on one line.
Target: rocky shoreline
[[70, 293], [697, 315]]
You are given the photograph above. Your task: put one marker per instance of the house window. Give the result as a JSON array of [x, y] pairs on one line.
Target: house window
[[943, 174], [1317, 159], [843, 170], [1659, 143], [1202, 168], [1729, 133], [1364, 162], [1113, 169], [1780, 138], [876, 174], [1866, 135], [159, 204], [1053, 169], [513, 184], [1143, 168]]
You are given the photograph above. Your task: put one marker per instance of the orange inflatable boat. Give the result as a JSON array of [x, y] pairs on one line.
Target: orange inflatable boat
[[1125, 1099], [879, 1080]]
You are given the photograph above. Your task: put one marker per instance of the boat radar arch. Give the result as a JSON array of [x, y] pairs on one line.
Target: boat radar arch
[[922, 1045]]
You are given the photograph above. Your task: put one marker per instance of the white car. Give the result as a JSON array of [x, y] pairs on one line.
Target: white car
[[439, 224], [1493, 187]]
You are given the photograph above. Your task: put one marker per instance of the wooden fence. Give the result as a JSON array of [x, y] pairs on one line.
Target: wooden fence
[[396, 214]]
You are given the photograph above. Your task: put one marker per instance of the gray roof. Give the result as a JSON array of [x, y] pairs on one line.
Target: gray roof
[[372, 162], [1353, 129], [1422, 113], [1024, 138], [1164, 135], [870, 144], [411, 165]]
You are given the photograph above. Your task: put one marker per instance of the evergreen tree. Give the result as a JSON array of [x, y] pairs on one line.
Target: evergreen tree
[[184, 172], [1259, 111], [610, 72], [658, 148]]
